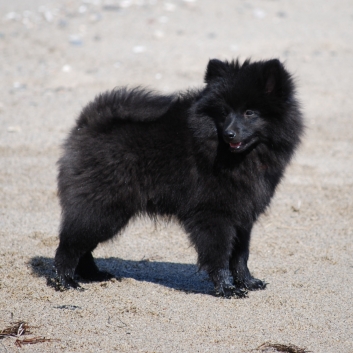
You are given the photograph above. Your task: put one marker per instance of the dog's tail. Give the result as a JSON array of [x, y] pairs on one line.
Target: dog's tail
[[125, 104]]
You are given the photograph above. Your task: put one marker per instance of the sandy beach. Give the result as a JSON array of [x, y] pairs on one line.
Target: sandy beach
[[55, 57]]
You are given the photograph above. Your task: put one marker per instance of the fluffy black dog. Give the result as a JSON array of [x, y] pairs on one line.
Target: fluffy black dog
[[210, 157]]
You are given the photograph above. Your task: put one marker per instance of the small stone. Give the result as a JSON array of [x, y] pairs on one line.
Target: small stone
[[297, 207], [13, 16], [169, 6], [82, 9], [259, 13], [48, 16], [14, 129], [138, 49], [66, 68], [125, 3], [75, 40], [19, 86]]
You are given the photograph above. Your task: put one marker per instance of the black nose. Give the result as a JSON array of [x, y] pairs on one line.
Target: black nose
[[229, 134]]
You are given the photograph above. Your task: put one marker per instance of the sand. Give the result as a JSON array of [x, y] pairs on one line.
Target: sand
[[55, 57]]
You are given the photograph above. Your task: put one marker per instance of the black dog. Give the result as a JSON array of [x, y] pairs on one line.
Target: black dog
[[211, 157]]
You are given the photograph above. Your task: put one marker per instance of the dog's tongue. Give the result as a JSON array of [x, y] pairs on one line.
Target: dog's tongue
[[235, 145]]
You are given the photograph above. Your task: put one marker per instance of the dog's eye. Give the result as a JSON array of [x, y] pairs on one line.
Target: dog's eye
[[249, 113]]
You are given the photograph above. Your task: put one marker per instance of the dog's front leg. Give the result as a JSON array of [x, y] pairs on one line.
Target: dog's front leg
[[213, 237], [238, 263]]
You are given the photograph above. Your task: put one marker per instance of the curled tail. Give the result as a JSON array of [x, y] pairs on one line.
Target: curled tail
[[124, 104]]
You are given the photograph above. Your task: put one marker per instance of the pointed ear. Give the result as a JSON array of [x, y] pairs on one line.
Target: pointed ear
[[273, 71], [215, 68]]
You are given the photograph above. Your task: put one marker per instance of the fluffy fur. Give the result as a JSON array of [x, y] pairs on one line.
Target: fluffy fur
[[210, 157]]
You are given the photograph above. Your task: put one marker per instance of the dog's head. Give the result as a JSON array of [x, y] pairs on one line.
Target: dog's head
[[249, 102]]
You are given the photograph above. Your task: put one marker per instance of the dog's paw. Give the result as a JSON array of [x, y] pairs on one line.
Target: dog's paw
[[250, 284], [230, 291], [96, 276], [224, 287], [64, 281]]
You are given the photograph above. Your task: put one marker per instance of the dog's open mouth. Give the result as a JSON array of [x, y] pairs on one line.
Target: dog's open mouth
[[235, 145], [242, 145], [238, 146]]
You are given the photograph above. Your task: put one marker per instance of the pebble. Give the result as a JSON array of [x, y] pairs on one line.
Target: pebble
[[82, 9], [66, 68], [14, 16], [13, 129], [48, 16], [19, 86], [259, 13], [138, 49], [75, 40], [125, 3], [169, 6]]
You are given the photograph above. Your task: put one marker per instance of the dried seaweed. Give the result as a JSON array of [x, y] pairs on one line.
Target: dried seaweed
[[20, 328], [284, 348], [17, 329], [33, 340]]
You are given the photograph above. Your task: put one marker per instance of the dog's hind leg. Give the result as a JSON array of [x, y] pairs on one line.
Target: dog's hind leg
[[78, 238], [238, 263]]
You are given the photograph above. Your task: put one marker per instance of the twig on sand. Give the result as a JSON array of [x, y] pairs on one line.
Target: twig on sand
[[290, 348], [125, 325], [16, 330], [33, 340], [20, 328]]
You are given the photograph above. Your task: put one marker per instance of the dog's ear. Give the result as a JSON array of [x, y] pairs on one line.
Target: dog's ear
[[273, 70], [215, 69]]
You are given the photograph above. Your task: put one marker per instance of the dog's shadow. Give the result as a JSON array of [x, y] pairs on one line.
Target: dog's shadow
[[182, 277]]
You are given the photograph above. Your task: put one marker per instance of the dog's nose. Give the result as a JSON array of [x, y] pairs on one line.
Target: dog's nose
[[229, 134]]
